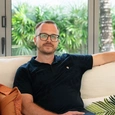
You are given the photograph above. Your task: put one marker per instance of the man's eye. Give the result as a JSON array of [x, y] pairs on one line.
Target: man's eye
[[43, 35], [53, 36]]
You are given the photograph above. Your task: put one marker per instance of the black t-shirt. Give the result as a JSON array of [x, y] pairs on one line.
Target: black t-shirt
[[54, 87]]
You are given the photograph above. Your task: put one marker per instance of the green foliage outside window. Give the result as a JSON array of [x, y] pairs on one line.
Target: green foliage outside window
[[72, 22]]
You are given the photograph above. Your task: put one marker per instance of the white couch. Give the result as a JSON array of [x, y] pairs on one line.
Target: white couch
[[97, 83]]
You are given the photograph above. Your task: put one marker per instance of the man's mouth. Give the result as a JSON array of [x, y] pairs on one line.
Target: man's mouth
[[49, 45]]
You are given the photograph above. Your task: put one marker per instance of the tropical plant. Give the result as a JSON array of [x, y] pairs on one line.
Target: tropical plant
[[106, 107], [78, 29], [113, 22], [72, 25], [72, 22], [22, 29]]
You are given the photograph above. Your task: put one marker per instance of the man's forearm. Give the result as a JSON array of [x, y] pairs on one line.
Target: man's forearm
[[33, 109]]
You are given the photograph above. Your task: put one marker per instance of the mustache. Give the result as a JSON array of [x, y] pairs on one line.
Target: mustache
[[48, 44]]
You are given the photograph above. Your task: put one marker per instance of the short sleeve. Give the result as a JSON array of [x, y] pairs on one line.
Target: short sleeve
[[83, 61], [22, 80]]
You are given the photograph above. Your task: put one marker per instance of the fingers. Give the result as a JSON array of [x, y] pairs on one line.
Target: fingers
[[77, 113], [73, 113]]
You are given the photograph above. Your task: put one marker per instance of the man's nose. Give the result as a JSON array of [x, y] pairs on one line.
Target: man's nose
[[49, 38]]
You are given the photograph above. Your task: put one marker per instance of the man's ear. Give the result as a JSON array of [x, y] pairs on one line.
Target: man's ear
[[34, 40]]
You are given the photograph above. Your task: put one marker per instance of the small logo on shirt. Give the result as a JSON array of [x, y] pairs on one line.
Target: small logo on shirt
[[67, 67]]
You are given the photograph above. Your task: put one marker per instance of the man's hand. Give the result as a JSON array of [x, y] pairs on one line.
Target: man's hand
[[73, 113], [30, 108]]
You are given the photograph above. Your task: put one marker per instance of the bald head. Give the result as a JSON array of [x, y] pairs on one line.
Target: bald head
[[40, 25]]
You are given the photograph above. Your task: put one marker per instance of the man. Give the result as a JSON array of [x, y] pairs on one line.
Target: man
[[50, 84]]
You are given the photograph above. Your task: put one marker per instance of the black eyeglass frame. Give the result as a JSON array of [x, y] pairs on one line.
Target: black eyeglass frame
[[57, 36]]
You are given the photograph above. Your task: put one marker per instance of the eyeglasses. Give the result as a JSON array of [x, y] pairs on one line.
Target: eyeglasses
[[44, 37]]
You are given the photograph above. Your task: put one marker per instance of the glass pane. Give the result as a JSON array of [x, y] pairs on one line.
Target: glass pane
[[107, 25], [71, 16]]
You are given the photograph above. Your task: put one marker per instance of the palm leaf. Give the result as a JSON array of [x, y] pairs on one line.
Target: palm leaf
[[106, 107]]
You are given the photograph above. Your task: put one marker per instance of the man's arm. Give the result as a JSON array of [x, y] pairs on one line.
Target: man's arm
[[103, 58], [30, 108]]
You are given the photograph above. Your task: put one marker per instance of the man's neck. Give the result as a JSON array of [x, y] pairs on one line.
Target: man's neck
[[45, 58]]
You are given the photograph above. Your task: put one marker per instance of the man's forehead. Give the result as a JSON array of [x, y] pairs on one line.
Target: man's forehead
[[47, 27]]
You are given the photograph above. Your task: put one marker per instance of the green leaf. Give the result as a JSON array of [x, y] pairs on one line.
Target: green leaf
[[106, 107]]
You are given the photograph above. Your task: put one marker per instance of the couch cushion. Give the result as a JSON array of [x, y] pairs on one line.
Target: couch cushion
[[8, 67], [89, 101], [99, 81]]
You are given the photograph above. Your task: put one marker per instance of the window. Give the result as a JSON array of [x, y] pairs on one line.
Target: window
[[5, 27], [87, 26], [71, 17]]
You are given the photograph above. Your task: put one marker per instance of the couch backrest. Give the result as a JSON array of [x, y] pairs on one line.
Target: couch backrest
[[97, 82], [8, 67]]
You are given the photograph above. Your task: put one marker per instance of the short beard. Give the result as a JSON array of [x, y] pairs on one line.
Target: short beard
[[46, 53]]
